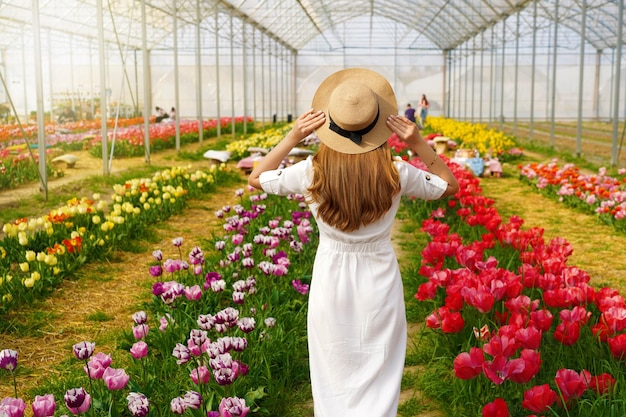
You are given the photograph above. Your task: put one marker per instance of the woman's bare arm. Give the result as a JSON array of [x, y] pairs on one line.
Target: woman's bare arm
[[305, 124], [408, 132]]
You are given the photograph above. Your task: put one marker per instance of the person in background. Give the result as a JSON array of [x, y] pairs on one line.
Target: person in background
[[357, 330], [160, 115], [424, 105], [67, 116], [173, 114], [409, 113]]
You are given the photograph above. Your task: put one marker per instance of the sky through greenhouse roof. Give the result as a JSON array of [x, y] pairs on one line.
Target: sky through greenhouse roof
[[324, 25]]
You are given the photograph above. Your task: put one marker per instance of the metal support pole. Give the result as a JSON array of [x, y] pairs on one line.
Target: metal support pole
[[482, 76], [446, 83], [516, 87], [492, 97], [217, 73], [581, 73], [244, 51], [103, 81], [502, 74], [41, 133], [532, 74], [553, 94], [466, 81], [254, 83], [618, 70], [199, 114], [176, 75], [146, 83], [232, 75], [596, 85]]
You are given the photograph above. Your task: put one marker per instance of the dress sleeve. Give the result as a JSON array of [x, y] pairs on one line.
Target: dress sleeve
[[294, 179], [419, 183]]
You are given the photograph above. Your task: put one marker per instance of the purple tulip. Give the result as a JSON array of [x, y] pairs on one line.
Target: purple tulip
[[77, 400], [233, 407], [138, 404], [84, 350], [12, 407], [140, 317], [246, 324], [156, 270], [158, 255], [8, 359], [213, 414], [300, 287], [196, 256], [178, 405], [139, 350], [193, 400], [178, 242], [44, 405], [116, 379], [181, 353]]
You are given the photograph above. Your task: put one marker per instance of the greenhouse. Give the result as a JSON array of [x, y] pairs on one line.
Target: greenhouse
[[148, 269], [483, 60]]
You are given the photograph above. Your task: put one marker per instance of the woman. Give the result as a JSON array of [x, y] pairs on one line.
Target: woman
[[356, 318], [424, 105]]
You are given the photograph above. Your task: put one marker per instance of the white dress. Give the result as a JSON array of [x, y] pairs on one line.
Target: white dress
[[356, 318]]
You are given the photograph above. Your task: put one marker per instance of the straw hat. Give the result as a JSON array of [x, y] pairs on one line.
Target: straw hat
[[357, 102]]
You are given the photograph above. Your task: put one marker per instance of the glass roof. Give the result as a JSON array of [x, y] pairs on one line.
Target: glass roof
[[317, 25]]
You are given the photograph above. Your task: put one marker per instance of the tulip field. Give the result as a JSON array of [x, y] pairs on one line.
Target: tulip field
[[506, 324]]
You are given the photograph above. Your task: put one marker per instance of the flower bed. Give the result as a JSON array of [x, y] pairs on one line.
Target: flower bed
[[515, 329], [37, 253], [598, 194], [17, 167], [475, 136], [226, 328]]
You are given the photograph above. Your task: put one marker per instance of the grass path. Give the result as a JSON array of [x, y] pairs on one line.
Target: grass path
[[598, 248]]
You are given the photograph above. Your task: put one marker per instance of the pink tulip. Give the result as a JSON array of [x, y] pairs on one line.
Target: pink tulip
[[97, 365], [116, 379], [140, 331], [200, 375], [193, 293], [139, 350], [12, 407], [44, 405]]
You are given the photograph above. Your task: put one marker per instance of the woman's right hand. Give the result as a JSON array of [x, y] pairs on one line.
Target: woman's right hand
[[306, 123]]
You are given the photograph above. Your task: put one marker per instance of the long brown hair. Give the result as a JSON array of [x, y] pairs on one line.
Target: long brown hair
[[353, 190]]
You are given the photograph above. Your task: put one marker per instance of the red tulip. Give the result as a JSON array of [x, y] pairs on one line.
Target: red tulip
[[529, 338], [567, 333], [541, 319], [539, 398], [496, 370], [469, 365], [524, 368], [479, 298], [617, 345], [497, 408], [426, 291], [571, 383], [602, 384], [501, 345]]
